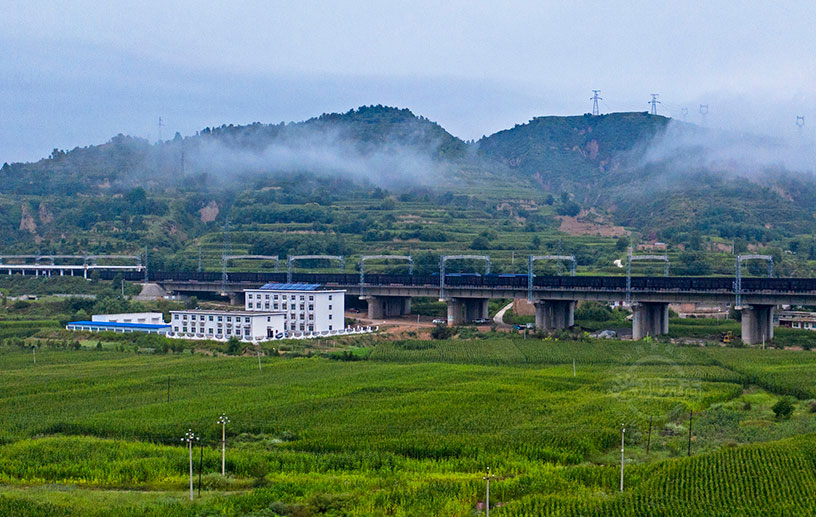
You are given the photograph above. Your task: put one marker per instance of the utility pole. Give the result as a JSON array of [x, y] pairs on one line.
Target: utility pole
[[573, 367], [487, 492], [200, 466], [595, 110], [223, 420], [703, 114], [691, 416], [34, 351], [190, 437], [623, 430], [654, 102]]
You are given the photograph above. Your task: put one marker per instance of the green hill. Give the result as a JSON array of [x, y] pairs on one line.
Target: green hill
[[379, 177]]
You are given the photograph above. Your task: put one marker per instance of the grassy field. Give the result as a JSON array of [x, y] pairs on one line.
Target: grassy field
[[410, 430]]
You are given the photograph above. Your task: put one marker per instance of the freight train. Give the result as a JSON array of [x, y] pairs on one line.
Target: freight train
[[474, 280]]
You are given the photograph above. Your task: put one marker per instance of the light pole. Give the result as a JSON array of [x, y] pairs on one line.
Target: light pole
[[190, 437], [487, 492], [623, 430], [223, 420]]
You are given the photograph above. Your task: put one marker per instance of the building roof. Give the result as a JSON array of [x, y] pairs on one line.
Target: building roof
[[228, 313], [294, 287], [110, 324]]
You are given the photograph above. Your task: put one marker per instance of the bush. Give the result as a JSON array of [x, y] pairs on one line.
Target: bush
[[442, 331], [783, 408]]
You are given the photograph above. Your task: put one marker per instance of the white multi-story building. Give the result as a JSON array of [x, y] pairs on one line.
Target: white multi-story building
[[245, 325], [306, 307]]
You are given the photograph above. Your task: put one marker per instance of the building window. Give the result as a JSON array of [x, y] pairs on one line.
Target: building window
[[246, 319], [302, 326], [210, 331], [175, 329], [276, 297], [246, 332], [311, 307], [220, 318], [275, 306], [292, 297], [330, 307], [211, 318], [201, 330], [184, 317], [249, 304], [302, 306], [311, 316], [175, 316], [267, 296], [284, 306], [311, 298], [229, 318], [330, 297], [184, 329], [266, 305], [330, 316], [330, 327], [301, 297], [311, 328]]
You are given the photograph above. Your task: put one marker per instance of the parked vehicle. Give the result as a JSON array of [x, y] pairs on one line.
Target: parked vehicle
[[439, 321]]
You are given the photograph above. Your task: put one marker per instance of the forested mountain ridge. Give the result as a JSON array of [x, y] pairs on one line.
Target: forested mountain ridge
[[277, 179]]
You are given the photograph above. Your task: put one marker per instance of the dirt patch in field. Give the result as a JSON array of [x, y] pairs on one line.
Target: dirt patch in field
[[590, 223]]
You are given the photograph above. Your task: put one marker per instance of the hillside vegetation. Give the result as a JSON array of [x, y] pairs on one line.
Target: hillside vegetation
[[383, 179]]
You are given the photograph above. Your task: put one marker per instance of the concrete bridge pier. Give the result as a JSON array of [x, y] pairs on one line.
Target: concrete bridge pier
[[554, 314], [465, 310], [757, 323], [649, 319], [380, 307]]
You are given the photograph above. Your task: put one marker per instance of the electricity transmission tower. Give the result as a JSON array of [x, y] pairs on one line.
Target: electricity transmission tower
[[703, 113], [595, 99], [654, 102], [226, 251], [161, 124]]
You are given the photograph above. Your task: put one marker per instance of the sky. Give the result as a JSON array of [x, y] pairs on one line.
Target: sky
[[75, 73]]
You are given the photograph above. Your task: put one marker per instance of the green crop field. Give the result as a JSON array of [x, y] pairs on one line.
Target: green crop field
[[410, 430]]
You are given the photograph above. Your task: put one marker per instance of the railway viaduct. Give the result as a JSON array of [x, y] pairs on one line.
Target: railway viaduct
[[467, 295], [555, 305]]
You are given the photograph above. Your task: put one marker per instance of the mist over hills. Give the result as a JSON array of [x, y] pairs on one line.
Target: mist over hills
[[651, 173]]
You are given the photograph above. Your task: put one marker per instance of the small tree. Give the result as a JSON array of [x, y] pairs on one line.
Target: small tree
[[442, 331], [233, 345], [783, 408]]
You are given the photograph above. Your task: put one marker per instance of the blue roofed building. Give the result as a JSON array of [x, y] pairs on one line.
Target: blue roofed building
[[112, 326]]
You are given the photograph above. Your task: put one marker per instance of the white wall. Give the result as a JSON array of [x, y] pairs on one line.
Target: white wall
[[225, 324], [321, 317]]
